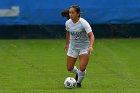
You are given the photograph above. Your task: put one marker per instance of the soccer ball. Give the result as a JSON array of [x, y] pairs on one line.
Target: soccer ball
[[70, 83]]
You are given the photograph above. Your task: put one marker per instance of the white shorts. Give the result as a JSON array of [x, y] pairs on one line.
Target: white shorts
[[76, 52]]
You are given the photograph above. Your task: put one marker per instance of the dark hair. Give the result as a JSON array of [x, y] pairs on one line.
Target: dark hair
[[77, 8], [65, 13]]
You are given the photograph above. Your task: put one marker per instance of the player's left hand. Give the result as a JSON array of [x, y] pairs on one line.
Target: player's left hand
[[90, 49]]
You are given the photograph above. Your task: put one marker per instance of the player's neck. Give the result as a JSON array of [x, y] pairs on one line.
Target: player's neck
[[75, 20]]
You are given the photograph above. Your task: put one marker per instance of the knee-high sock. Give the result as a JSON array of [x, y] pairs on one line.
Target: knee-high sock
[[81, 75], [75, 70]]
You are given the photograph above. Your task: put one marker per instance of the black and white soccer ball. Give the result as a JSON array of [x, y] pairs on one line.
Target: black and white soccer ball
[[70, 83]]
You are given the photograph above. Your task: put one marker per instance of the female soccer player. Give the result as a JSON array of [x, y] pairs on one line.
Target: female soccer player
[[79, 42]]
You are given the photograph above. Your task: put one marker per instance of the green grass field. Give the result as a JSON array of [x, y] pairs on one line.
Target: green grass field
[[39, 66]]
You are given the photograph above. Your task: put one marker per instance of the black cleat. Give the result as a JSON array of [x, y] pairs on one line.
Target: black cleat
[[79, 85], [76, 77]]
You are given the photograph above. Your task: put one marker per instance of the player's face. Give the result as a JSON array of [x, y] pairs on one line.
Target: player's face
[[73, 14]]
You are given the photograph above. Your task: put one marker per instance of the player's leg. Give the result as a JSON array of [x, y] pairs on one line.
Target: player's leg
[[71, 59], [83, 58], [71, 64]]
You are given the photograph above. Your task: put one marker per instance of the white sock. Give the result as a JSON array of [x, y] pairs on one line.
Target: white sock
[[81, 75], [75, 70]]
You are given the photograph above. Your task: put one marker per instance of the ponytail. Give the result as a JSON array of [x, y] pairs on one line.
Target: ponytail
[[65, 13]]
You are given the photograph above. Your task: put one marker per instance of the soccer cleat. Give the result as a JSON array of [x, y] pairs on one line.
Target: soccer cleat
[[76, 77], [79, 85]]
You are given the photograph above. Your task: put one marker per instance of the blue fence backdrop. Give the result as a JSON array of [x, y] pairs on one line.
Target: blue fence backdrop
[[47, 12]]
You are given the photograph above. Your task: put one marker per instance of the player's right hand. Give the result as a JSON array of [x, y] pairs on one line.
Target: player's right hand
[[66, 47]]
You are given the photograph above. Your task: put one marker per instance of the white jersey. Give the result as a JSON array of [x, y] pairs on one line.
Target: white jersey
[[79, 38]]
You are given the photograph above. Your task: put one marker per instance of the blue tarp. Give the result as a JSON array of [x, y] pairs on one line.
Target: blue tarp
[[30, 12]]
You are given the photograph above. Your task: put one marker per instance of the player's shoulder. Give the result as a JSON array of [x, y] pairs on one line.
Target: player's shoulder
[[68, 21], [82, 20]]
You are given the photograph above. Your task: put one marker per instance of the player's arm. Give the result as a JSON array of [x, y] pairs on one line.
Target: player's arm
[[67, 41], [91, 36]]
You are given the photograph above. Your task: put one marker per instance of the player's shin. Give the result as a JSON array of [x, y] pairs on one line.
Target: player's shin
[[81, 75]]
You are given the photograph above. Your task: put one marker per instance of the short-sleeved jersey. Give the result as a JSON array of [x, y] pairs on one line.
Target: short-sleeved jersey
[[79, 38]]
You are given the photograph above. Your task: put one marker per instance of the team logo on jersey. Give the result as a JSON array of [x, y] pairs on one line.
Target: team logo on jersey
[[77, 35]]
